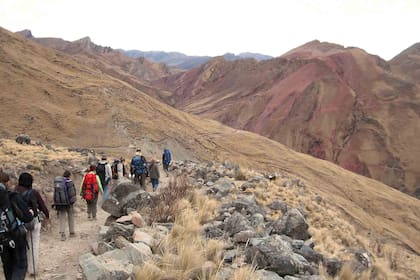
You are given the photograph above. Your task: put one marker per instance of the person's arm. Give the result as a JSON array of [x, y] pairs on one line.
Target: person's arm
[[99, 184], [41, 204]]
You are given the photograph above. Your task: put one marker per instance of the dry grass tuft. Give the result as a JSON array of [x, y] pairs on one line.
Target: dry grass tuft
[[148, 271], [244, 273], [168, 206]]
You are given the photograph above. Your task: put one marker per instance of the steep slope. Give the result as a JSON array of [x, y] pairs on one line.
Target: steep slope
[[335, 103], [56, 99], [407, 63], [110, 61]]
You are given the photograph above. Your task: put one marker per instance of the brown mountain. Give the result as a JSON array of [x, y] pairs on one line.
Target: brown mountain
[[339, 104], [56, 99], [135, 71], [407, 63]]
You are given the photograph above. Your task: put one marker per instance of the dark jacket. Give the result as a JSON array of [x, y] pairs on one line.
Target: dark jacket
[[36, 203], [154, 171], [20, 208]]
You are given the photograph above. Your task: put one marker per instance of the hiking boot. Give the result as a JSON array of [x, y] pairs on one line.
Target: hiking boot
[[63, 236], [72, 234], [94, 218]]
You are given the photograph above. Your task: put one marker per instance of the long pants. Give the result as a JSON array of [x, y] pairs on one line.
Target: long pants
[[155, 183], [15, 261], [140, 178], [33, 237], [166, 168], [70, 219], [92, 207]]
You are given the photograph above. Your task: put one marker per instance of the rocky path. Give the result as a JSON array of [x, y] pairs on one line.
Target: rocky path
[[59, 260]]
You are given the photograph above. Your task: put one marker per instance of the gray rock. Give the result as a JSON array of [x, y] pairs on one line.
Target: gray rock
[[104, 247], [23, 139], [125, 196], [309, 254], [229, 256], [297, 244], [363, 257], [116, 230], [263, 274], [236, 223], [223, 186], [292, 224], [279, 205], [244, 236], [333, 266], [212, 231], [257, 221], [275, 254]]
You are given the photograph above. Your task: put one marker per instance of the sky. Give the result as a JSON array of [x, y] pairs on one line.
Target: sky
[[214, 27]]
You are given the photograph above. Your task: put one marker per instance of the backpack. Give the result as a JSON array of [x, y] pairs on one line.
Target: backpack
[[167, 156], [100, 171], [139, 165], [64, 191], [33, 204], [114, 169], [90, 187], [9, 224]]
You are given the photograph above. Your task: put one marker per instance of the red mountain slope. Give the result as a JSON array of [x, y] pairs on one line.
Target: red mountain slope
[[339, 104]]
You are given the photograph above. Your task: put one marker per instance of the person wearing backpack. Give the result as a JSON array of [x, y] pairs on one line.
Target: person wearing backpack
[[13, 213], [64, 198], [139, 169], [35, 202], [89, 190], [154, 174], [166, 160], [104, 171]]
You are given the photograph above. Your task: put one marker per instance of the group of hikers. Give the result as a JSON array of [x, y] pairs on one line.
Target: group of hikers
[[20, 225]]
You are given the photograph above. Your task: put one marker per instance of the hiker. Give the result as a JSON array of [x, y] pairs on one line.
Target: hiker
[[64, 198], [35, 202], [154, 174], [13, 246], [104, 171], [120, 168], [139, 169], [89, 190], [166, 160]]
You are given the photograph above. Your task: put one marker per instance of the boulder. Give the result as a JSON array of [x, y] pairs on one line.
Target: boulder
[[236, 223], [23, 139], [275, 254], [126, 196], [292, 224]]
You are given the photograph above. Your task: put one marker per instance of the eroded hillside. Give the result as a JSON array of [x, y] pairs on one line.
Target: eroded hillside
[[338, 104]]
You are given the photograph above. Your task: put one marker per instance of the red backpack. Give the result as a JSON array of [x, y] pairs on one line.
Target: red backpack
[[90, 187]]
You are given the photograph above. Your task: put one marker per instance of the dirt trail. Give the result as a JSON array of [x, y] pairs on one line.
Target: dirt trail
[[59, 260]]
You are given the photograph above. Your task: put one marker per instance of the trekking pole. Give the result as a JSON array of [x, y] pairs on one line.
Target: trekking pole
[[33, 258]]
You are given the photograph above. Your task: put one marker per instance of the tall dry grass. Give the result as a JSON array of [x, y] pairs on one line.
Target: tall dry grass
[[184, 252]]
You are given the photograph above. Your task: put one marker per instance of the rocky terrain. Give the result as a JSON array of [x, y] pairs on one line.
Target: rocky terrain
[[208, 219]]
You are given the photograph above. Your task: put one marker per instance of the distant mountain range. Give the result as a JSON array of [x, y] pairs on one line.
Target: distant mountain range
[[180, 60]]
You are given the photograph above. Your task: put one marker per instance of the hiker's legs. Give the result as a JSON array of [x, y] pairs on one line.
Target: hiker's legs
[[33, 244], [21, 260], [15, 262], [155, 184], [89, 209], [143, 181], [62, 219], [93, 206], [136, 178], [166, 169], [70, 216]]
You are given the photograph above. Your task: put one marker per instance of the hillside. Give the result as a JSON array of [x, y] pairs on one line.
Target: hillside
[[56, 99], [407, 63], [106, 59], [322, 99]]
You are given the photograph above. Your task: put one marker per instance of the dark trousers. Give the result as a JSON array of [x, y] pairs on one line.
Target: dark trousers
[[15, 261], [92, 207], [140, 178], [155, 183]]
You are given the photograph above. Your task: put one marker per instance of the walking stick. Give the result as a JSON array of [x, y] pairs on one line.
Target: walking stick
[[33, 258]]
